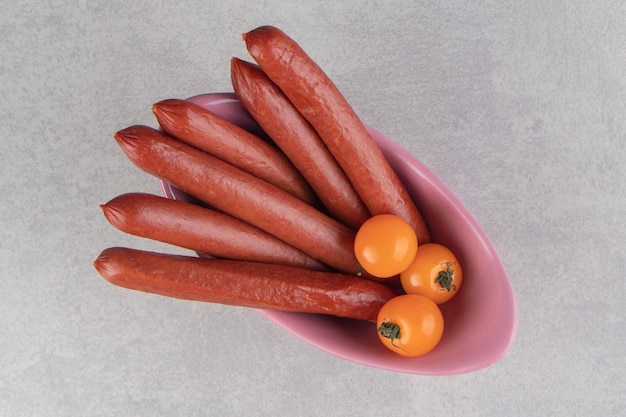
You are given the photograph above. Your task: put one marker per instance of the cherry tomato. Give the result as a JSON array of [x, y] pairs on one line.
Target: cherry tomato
[[385, 245], [410, 325], [434, 273]]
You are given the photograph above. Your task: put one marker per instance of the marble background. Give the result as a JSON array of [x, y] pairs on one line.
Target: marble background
[[520, 108]]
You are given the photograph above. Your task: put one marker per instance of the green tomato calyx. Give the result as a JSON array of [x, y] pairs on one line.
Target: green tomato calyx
[[445, 278], [390, 331]]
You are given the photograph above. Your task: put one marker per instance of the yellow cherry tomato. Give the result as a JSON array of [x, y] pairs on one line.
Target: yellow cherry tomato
[[410, 325], [385, 245], [434, 273]]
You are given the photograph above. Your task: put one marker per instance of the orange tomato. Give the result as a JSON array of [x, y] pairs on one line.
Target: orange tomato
[[385, 245], [434, 273], [410, 325]]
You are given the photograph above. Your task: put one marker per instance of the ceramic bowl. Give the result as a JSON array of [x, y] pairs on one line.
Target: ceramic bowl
[[480, 321]]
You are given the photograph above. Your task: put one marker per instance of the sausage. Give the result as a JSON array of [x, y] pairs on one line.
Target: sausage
[[244, 284], [295, 136], [319, 100], [229, 189], [201, 229], [211, 133]]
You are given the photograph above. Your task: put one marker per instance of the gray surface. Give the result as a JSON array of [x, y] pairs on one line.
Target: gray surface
[[518, 106]]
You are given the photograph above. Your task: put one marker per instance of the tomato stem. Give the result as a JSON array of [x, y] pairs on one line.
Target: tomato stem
[[390, 331], [445, 277]]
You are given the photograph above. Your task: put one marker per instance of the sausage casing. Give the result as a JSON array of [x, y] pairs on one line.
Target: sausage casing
[[200, 229], [295, 136], [215, 135], [245, 284], [242, 195], [319, 100]]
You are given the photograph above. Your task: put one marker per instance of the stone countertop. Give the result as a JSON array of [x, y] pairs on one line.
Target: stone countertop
[[520, 108]]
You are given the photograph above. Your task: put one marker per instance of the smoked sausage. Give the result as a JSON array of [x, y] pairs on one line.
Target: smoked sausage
[[245, 284], [229, 189], [215, 135], [319, 100], [295, 136], [200, 229]]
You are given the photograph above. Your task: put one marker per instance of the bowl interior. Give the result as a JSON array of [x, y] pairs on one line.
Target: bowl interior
[[480, 321]]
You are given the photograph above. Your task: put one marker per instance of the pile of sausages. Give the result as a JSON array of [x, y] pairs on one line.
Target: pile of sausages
[[278, 218]]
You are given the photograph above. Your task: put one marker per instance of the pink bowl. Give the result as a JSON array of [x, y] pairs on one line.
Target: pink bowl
[[480, 321]]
